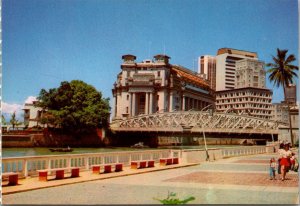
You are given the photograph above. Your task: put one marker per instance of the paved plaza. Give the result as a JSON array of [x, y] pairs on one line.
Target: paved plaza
[[243, 180]]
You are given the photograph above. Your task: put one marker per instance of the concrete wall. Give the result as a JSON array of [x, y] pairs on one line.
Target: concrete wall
[[196, 156], [17, 141]]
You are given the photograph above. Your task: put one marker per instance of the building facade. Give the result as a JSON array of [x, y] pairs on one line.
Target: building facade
[[226, 66], [250, 73], [32, 114], [280, 112], [284, 132], [157, 86], [291, 94], [249, 101], [207, 69]]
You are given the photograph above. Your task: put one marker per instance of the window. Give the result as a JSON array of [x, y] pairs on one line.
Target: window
[[158, 73], [127, 110], [127, 97]]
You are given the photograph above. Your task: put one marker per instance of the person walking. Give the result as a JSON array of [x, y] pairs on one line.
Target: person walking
[[284, 154]]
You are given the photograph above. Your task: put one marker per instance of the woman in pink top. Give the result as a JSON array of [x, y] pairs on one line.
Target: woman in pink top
[[285, 155]]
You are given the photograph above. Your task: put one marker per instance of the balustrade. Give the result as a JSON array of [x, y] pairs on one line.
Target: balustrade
[[28, 165], [232, 151]]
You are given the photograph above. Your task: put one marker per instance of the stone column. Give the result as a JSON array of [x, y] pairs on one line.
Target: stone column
[[188, 103], [133, 104], [130, 104], [151, 103], [115, 98], [146, 103], [183, 103], [171, 102]]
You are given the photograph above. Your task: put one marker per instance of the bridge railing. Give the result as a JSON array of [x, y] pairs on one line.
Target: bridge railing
[[247, 150], [28, 165]]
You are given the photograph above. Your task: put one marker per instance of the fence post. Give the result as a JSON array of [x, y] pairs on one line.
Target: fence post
[[69, 162], [87, 166], [25, 168]]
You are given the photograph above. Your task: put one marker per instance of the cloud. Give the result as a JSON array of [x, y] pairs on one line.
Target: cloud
[[30, 99], [9, 108]]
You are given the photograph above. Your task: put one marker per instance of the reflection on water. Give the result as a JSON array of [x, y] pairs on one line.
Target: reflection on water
[[36, 151]]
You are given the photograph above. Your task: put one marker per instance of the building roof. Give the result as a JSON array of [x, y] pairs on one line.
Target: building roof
[[129, 56], [237, 52], [189, 76], [161, 56], [244, 88]]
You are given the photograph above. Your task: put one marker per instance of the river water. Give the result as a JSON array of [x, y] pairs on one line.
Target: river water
[[37, 151]]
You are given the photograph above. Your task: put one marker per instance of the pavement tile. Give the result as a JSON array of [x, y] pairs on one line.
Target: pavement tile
[[252, 161], [236, 179]]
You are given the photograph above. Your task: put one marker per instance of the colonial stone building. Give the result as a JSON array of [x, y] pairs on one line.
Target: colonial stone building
[[158, 86]]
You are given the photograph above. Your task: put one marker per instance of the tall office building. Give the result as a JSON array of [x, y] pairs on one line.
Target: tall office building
[[240, 84], [207, 69], [226, 66], [250, 73], [291, 94], [256, 102]]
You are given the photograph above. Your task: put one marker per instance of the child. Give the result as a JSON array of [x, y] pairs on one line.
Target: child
[[273, 166], [292, 161]]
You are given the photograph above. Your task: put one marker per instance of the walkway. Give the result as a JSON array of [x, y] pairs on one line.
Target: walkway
[[228, 181]]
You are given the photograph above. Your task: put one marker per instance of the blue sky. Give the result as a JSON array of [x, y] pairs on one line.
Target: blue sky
[[45, 42]]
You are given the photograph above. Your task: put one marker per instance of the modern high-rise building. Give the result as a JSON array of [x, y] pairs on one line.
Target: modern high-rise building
[[250, 73], [291, 94], [248, 101], [226, 66], [240, 84], [207, 69]]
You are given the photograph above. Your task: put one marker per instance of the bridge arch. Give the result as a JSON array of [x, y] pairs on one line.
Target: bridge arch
[[198, 121]]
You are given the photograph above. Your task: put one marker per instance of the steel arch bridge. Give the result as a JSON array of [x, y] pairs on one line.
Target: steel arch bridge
[[197, 122]]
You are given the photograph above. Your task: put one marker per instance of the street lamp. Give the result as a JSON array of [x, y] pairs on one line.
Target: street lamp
[[204, 138], [207, 155]]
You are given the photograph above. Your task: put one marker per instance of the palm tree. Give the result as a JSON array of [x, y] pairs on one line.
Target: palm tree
[[14, 122], [282, 73]]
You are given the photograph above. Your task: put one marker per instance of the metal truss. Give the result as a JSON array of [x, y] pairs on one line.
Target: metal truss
[[198, 121]]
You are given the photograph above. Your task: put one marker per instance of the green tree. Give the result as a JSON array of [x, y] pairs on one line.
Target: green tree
[[75, 107], [3, 120], [282, 73], [13, 120]]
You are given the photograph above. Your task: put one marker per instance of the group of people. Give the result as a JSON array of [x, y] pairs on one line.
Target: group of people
[[286, 161]]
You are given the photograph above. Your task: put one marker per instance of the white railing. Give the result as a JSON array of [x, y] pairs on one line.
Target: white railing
[[247, 150], [28, 165]]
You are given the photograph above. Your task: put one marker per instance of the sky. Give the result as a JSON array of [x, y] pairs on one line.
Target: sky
[[45, 42]]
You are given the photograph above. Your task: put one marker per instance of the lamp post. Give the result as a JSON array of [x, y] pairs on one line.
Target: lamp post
[[204, 138], [207, 155]]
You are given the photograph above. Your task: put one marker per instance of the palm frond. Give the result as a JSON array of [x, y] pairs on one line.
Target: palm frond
[[290, 59], [281, 71]]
